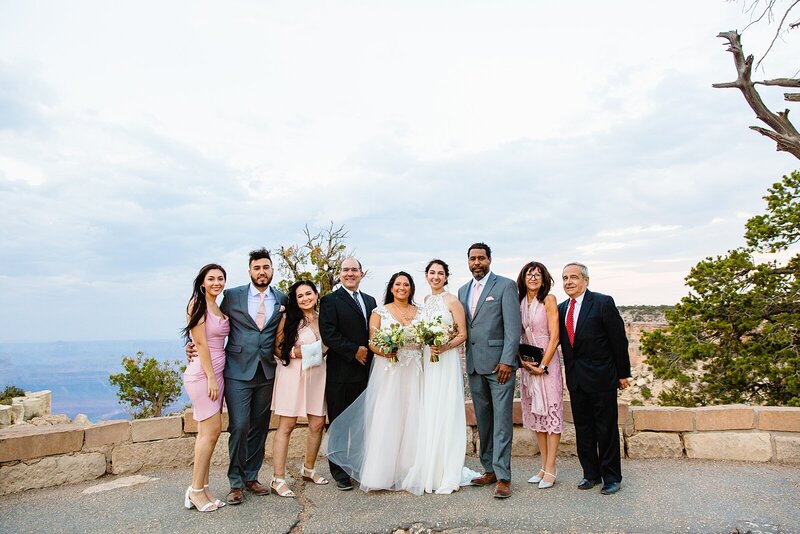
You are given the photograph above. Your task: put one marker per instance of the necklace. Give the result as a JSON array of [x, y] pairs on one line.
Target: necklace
[[403, 315]]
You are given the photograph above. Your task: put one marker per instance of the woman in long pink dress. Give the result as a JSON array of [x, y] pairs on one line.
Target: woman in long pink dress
[[541, 385], [207, 327], [298, 392]]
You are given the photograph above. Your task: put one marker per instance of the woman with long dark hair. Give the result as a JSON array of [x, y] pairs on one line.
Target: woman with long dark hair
[[299, 388], [375, 439], [207, 328], [541, 386]]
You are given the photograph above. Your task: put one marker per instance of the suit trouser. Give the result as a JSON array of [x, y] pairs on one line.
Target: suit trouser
[[249, 404], [338, 396], [597, 434], [494, 404]]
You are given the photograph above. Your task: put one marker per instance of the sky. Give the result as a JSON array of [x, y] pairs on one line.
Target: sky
[[142, 140]]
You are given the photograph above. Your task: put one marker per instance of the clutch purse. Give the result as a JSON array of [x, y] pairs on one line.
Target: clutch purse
[[531, 353], [312, 354]]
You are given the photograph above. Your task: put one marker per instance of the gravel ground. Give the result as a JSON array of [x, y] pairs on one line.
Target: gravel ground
[[656, 496]]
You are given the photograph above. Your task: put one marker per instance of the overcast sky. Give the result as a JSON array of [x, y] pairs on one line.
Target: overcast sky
[[141, 140]]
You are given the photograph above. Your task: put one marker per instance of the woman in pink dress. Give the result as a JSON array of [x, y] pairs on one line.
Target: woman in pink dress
[[207, 327], [541, 385], [298, 392]]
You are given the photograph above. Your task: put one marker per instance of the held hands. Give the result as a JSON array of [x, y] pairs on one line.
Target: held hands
[[191, 352], [361, 355], [213, 388], [503, 372]]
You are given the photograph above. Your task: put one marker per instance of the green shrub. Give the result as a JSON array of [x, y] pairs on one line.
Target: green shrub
[[147, 385], [10, 392], [647, 393]]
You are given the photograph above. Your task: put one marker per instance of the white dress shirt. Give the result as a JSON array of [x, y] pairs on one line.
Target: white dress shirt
[[254, 299], [576, 312], [482, 282]]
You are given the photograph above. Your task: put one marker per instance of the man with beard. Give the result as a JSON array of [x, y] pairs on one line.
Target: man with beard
[[254, 312], [491, 305]]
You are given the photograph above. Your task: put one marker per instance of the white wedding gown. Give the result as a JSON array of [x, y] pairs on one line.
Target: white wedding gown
[[442, 441], [375, 439]]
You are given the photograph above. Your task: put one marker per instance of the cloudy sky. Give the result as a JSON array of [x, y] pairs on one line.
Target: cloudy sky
[[139, 141]]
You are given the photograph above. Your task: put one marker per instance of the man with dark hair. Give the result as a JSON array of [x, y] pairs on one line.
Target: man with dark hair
[[343, 325], [494, 325], [596, 363], [254, 311]]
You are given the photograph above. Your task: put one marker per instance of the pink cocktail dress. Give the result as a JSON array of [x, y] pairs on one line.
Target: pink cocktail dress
[[299, 392], [542, 395], [194, 378]]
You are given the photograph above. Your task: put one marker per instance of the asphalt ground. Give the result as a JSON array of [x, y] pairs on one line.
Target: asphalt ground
[[656, 496]]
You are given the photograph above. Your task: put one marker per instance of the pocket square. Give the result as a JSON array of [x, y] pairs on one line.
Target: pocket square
[[489, 298]]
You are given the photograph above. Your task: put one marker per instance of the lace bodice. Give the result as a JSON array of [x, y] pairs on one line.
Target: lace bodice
[[411, 352], [436, 306]]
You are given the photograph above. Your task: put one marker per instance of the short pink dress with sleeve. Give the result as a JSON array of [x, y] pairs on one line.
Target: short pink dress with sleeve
[[299, 392], [194, 378], [542, 395]]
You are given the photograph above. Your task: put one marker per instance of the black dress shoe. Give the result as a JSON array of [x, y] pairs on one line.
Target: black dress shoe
[[344, 485], [611, 487], [587, 484]]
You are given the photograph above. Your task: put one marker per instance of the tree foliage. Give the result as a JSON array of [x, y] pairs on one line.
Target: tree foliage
[[736, 336], [9, 393], [147, 385], [318, 259]]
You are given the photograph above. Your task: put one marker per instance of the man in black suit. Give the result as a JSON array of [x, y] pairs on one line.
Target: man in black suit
[[596, 361], [343, 324]]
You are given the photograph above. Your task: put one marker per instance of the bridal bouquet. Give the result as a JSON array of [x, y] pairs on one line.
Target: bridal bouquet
[[389, 339], [433, 333]]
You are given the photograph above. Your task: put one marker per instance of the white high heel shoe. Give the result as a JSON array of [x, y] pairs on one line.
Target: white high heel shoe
[[535, 479], [545, 485], [218, 502], [188, 504]]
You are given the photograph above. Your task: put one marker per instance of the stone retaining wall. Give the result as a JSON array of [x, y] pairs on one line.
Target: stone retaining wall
[[42, 456]]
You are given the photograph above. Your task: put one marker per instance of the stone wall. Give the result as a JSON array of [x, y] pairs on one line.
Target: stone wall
[[48, 455], [41, 456], [29, 407]]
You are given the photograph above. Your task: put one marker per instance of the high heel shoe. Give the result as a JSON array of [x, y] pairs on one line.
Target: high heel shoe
[[281, 484], [535, 479], [188, 504], [544, 485], [216, 501], [311, 475]]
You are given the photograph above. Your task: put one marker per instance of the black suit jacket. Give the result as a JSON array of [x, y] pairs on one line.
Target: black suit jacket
[[343, 330], [599, 356]]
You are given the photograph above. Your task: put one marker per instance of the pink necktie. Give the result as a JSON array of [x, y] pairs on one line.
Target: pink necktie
[[476, 293], [571, 322], [262, 312]]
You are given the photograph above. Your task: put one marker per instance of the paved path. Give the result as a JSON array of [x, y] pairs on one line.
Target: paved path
[[656, 496]]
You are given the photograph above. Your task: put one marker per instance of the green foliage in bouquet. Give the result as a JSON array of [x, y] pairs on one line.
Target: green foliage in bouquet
[[736, 336], [147, 385]]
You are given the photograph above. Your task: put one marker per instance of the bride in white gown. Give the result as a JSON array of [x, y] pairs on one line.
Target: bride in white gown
[[439, 466], [375, 439]]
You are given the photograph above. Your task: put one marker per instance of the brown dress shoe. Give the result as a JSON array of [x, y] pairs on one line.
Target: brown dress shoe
[[502, 490], [485, 479], [235, 496], [256, 488]]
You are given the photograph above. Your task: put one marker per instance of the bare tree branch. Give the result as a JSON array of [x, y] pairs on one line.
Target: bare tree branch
[[792, 97], [782, 130], [781, 82], [778, 30]]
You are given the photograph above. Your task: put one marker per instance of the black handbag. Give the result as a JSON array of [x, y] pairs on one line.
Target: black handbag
[[531, 353]]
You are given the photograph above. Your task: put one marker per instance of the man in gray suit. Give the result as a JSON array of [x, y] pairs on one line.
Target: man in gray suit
[[254, 311], [491, 304]]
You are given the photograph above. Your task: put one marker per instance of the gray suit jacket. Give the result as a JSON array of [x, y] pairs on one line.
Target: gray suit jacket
[[493, 334], [248, 346]]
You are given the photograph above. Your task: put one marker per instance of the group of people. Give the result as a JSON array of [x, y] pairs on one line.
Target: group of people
[[397, 419]]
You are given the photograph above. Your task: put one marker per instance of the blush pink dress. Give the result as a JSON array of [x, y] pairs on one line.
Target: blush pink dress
[[194, 378], [542, 395], [299, 392]]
